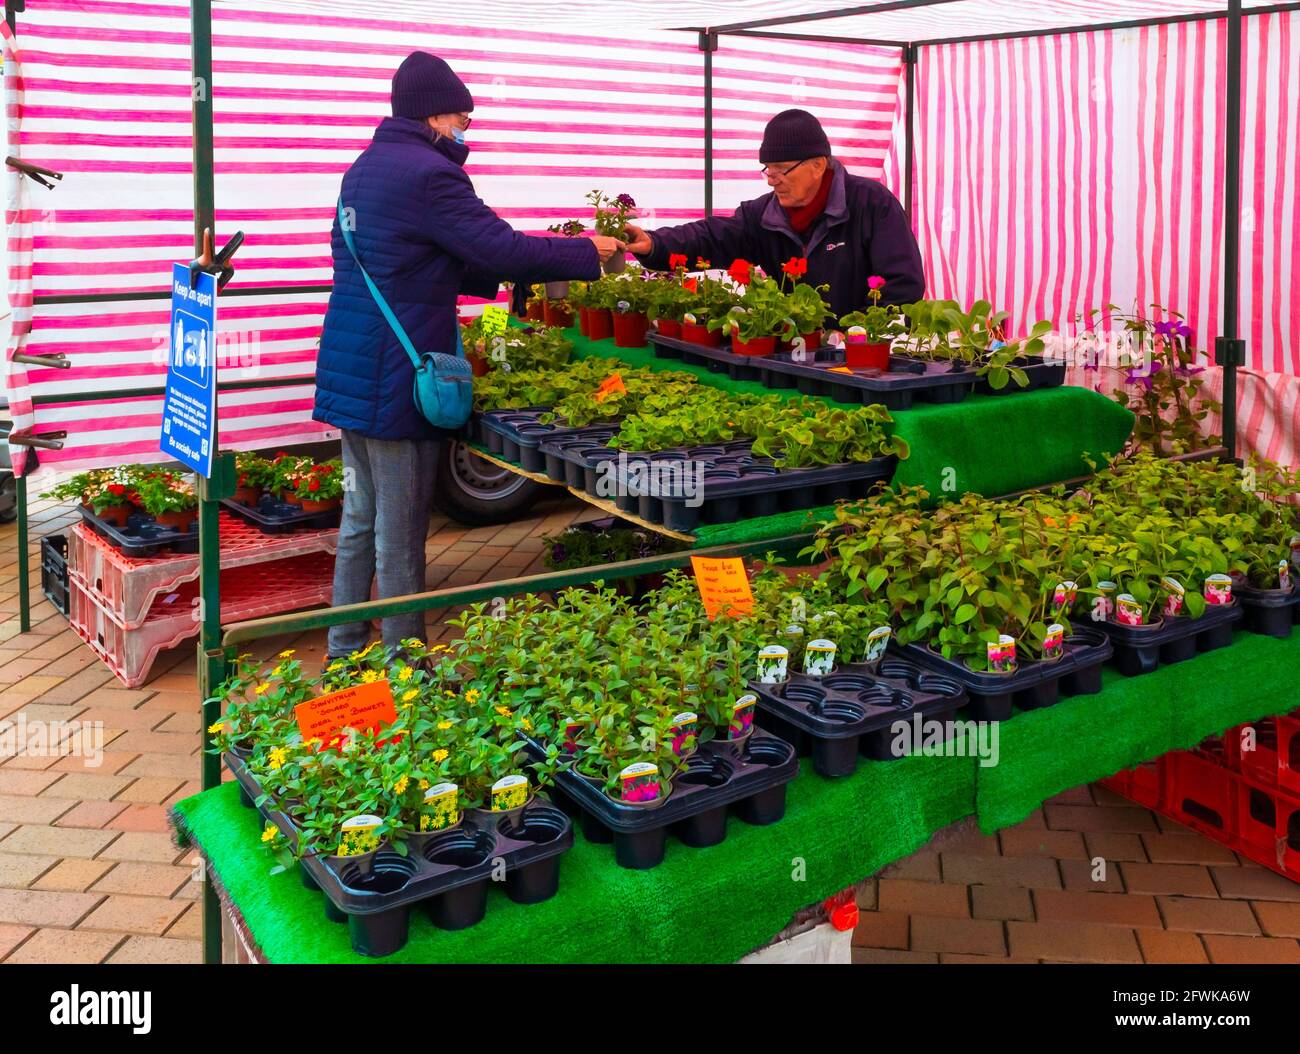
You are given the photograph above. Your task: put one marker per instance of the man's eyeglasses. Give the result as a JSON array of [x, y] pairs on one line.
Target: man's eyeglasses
[[465, 121], [781, 173]]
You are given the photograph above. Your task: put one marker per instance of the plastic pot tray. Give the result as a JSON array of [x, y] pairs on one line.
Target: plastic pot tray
[[720, 359], [1034, 685], [852, 711], [273, 516], [907, 380], [1268, 611], [449, 874], [517, 434], [748, 777], [142, 536], [1041, 374], [1141, 649]]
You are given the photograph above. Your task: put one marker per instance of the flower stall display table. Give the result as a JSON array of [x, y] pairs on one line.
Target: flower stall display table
[[720, 903]]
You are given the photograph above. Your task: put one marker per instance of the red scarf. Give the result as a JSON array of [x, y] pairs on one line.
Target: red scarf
[[803, 217]]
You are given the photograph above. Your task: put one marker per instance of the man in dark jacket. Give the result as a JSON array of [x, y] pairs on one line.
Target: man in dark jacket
[[849, 228], [424, 237]]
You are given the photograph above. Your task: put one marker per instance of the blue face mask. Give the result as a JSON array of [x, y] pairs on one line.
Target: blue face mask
[[459, 135]]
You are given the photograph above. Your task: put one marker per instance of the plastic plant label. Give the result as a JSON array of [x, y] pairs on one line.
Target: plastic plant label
[[684, 727], [441, 808], [689, 319], [742, 716], [1002, 654], [1295, 551], [611, 384], [1174, 595], [1106, 601], [509, 792], [1218, 589], [639, 782], [1063, 595], [723, 585], [495, 321], [877, 641], [819, 658], [1284, 576], [855, 335], [358, 835], [773, 664], [572, 730], [362, 706], [1128, 612], [1054, 642]]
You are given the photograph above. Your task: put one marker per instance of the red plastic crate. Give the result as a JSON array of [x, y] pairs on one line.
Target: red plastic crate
[[248, 592], [1143, 784], [127, 586], [1200, 793], [1268, 821]]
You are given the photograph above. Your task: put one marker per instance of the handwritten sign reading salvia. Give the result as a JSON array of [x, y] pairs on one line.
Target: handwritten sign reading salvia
[[723, 585], [363, 706]]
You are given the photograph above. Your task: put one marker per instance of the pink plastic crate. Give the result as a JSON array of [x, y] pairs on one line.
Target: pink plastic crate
[[248, 592], [127, 586]]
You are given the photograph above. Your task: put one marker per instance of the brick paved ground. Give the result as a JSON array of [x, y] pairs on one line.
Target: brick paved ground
[[88, 871]]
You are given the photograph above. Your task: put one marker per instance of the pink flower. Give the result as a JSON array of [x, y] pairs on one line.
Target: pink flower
[[875, 282]]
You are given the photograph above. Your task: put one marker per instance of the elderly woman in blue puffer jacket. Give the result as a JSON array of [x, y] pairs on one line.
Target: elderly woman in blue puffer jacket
[[425, 237]]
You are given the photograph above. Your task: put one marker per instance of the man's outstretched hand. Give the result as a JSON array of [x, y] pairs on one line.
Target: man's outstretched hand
[[637, 240]]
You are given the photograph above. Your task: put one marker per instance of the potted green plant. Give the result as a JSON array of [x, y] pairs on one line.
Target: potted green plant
[[612, 214], [602, 295], [670, 299], [254, 476], [168, 498], [868, 334], [567, 229], [761, 317], [320, 488], [285, 471], [105, 492], [634, 297], [805, 303]]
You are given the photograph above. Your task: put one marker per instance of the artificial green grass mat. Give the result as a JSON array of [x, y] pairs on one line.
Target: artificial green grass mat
[[985, 444], [699, 905], [1133, 719]]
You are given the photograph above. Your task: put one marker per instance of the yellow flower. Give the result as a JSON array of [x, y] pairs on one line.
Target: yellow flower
[[504, 711], [407, 696], [277, 758], [472, 695], [278, 672], [269, 834], [400, 786], [528, 725], [448, 693], [440, 755], [287, 653], [424, 785], [261, 688], [214, 729], [443, 726], [405, 673], [335, 666], [370, 676]]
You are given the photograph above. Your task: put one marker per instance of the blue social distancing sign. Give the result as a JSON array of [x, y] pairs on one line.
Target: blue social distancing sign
[[189, 424]]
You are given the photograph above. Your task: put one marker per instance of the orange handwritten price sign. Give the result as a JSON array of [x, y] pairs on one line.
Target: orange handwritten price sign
[[611, 384], [363, 706], [723, 585]]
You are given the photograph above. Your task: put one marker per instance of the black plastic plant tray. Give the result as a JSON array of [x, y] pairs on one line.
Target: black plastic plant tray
[[273, 516], [521, 434], [906, 381], [569, 459], [852, 711], [748, 777], [720, 359], [1041, 374], [449, 874], [1034, 685], [1268, 611], [735, 485], [1141, 649], [142, 536]]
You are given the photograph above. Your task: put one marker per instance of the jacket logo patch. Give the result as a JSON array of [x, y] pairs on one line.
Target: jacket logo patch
[[834, 245]]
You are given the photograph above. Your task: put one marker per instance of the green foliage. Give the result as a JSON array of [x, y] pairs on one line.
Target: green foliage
[[763, 311]]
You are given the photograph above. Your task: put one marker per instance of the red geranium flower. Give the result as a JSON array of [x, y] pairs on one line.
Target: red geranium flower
[[740, 272], [116, 489], [314, 484], [796, 266], [691, 284], [676, 260]]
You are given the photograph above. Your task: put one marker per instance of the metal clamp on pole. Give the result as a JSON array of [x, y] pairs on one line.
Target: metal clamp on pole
[[59, 361], [44, 441], [34, 171], [218, 264], [1228, 351]]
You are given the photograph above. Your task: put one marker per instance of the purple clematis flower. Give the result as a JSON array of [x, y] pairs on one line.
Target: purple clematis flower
[[1143, 377], [1189, 371]]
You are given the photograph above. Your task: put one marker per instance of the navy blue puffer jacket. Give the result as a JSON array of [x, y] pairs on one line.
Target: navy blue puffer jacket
[[425, 237]]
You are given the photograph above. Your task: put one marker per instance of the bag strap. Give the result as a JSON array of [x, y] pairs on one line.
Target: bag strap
[[387, 311]]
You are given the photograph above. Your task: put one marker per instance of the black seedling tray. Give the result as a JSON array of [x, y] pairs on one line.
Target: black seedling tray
[[54, 571], [1033, 686], [736, 485], [1141, 649], [272, 516], [571, 458], [1041, 373], [720, 359], [852, 711], [448, 874], [749, 777], [142, 535], [1268, 611], [520, 434], [907, 380]]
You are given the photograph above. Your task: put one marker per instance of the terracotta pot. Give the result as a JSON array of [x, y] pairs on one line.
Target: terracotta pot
[[629, 329], [701, 334], [600, 323], [556, 314], [667, 328], [290, 498], [328, 505], [536, 312], [584, 321], [478, 365], [866, 356], [248, 495], [177, 520], [756, 348], [117, 515]]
